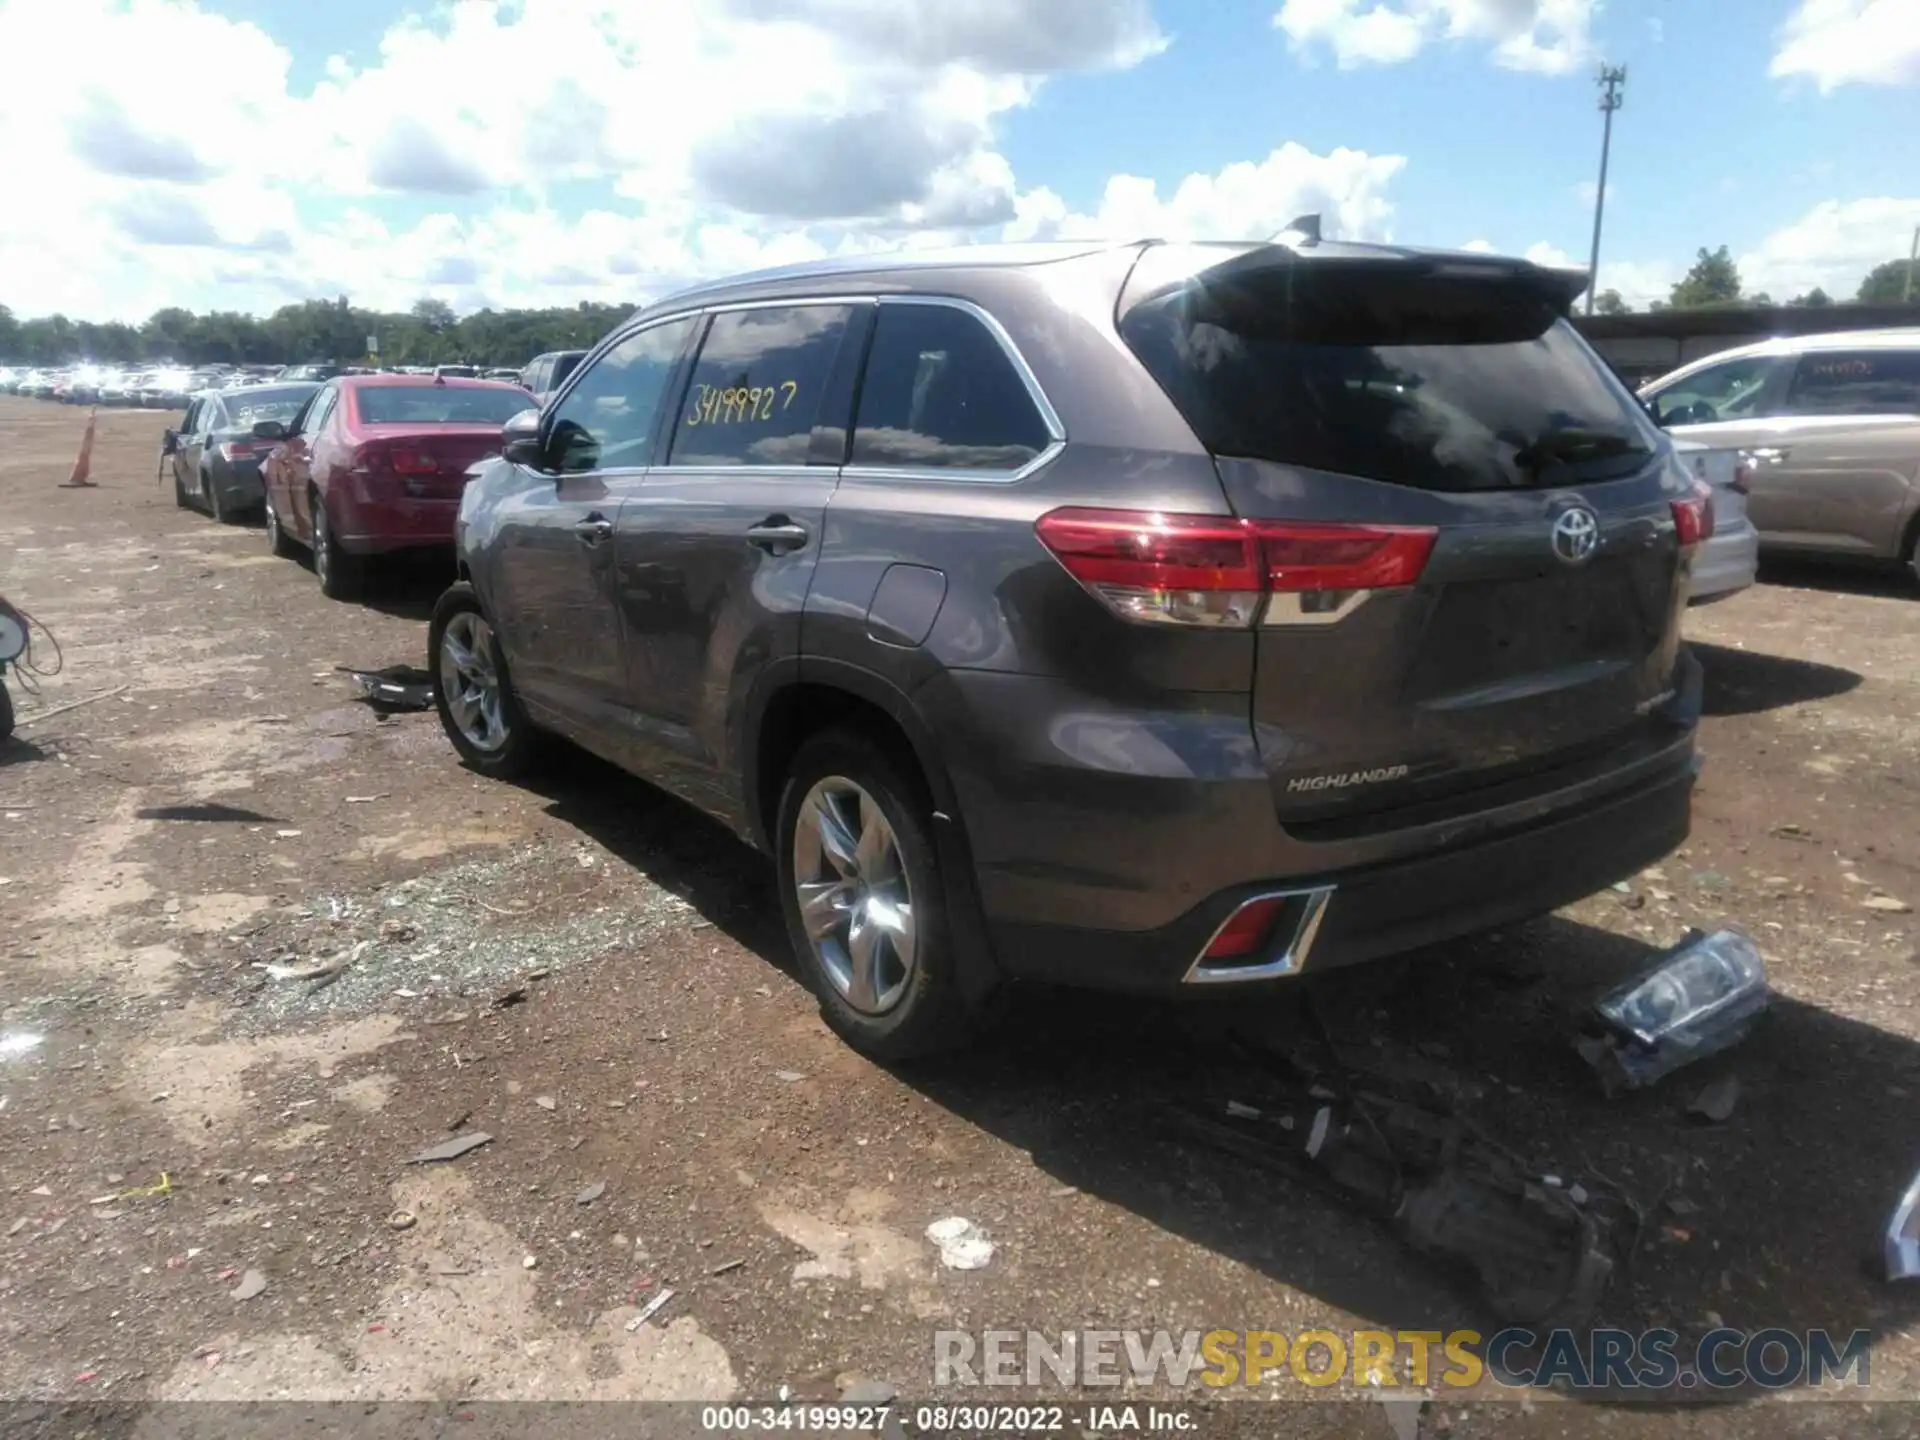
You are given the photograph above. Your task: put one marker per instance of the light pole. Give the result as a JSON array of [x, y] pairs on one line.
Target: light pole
[[1913, 258], [1612, 81]]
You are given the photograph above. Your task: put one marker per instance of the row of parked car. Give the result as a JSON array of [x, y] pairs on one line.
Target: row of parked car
[[1154, 616], [170, 387]]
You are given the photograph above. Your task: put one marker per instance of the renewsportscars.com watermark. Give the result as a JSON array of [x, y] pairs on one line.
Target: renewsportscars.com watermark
[[1612, 1360]]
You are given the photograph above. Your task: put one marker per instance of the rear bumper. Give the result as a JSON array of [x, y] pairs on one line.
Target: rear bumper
[[367, 524], [1726, 564], [239, 483], [1108, 844], [1388, 910]]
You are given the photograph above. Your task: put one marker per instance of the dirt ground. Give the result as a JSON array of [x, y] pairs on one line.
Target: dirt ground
[[595, 976]]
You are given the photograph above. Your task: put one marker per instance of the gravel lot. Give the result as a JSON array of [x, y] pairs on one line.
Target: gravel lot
[[594, 975]]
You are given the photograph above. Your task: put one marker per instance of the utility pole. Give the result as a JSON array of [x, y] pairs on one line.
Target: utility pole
[[1913, 258], [1612, 81]]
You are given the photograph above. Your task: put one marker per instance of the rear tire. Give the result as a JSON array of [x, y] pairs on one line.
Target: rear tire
[[865, 888], [277, 540], [339, 571], [473, 691]]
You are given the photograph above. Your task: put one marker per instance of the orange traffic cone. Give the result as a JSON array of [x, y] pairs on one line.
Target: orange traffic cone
[[84, 465]]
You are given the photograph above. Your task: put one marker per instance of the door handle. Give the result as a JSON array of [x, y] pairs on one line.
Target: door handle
[[1768, 455], [776, 535], [592, 530]]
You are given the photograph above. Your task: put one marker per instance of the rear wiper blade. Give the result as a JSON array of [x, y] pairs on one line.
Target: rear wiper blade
[[1570, 446]]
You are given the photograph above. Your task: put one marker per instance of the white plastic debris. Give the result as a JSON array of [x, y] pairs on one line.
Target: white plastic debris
[[962, 1244], [652, 1308]]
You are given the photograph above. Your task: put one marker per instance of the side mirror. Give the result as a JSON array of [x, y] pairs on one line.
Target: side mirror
[[269, 430], [169, 442], [520, 439]]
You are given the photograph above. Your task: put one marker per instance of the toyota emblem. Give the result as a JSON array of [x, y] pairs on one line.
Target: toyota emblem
[[1576, 535]]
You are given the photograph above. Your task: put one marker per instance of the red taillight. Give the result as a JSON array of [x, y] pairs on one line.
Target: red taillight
[[1343, 557], [242, 450], [405, 461], [1215, 570], [1693, 517], [1246, 930]]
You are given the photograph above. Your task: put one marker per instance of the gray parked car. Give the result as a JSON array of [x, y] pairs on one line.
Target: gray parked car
[[1831, 427], [215, 455], [547, 373], [1152, 616]]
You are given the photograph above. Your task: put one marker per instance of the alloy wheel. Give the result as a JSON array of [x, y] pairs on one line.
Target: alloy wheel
[[855, 899], [471, 681], [322, 546]]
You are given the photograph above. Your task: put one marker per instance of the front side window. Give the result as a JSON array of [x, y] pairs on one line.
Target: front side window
[[1856, 382], [941, 393], [607, 420], [1733, 390], [756, 389]]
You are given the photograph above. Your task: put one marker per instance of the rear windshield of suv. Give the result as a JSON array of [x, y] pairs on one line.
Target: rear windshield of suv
[[1390, 372], [439, 405]]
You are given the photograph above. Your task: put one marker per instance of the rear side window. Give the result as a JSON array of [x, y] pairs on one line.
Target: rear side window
[[1856, 382], [756, 388], [560, 367], [1392, 373], [941, 392]]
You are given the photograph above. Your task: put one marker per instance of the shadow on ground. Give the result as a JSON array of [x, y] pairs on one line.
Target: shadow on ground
[[1745, 682], [1778, 1210]]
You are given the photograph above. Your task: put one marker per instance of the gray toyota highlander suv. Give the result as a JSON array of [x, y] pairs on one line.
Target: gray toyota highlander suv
[[1151, 616]]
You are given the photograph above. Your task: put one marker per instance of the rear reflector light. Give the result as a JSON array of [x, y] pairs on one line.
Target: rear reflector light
[[1215, 570], [1246, 930], [1693, 516], [412, 462]]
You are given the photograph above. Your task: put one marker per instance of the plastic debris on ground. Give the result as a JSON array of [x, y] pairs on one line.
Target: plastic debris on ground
[[1542, 1248], [1695, 1000], [961, 1243], [452, 1149], [652, 1308], [398, 687]]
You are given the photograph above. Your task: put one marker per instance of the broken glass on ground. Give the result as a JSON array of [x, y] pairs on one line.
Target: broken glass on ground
[[1692, 1001]]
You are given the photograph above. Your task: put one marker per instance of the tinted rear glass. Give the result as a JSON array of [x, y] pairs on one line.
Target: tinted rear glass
[[249, 407], [1856, 382], [1392, 373], [439, 405]]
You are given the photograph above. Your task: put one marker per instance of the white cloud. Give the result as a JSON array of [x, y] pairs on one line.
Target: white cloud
[[800, 128], [1842, 42], [1547, 36], [1246, 201], [1832, 246]]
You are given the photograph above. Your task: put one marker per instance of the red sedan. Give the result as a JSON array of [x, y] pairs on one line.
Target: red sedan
[[376, 463]]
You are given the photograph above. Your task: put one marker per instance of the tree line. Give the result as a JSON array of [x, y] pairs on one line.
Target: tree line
[[1714, 280], [430, 333], [332, 331]]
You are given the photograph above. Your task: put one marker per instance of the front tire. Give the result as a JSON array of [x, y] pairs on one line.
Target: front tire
[[473, 691], [339, 571], [865, 902]]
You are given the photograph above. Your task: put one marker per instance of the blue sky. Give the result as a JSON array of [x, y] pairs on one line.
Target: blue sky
[[547, 151]]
